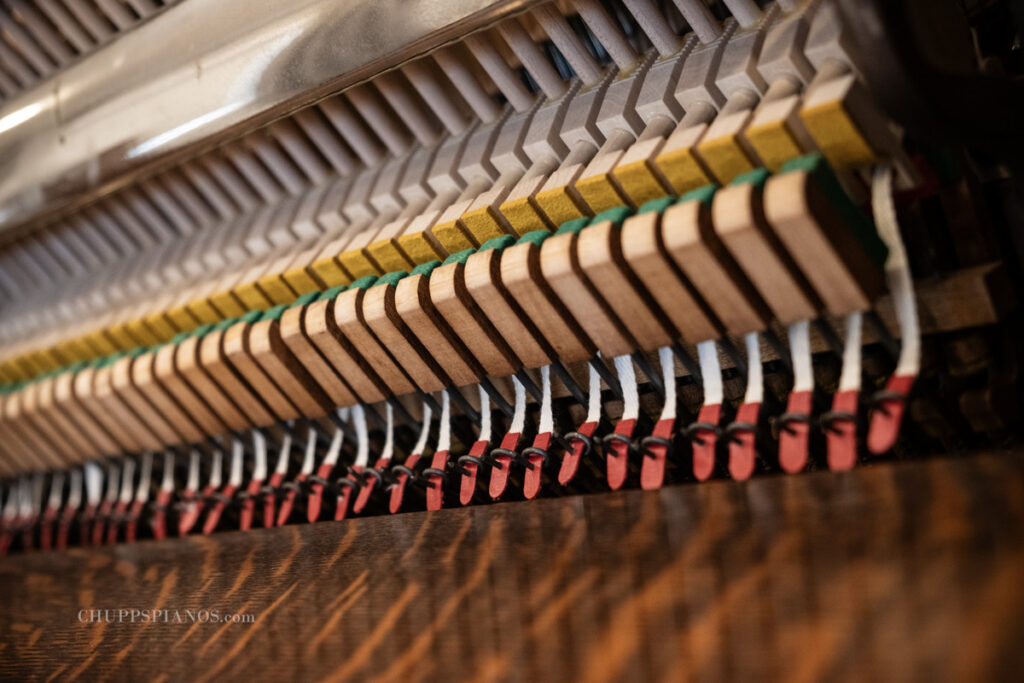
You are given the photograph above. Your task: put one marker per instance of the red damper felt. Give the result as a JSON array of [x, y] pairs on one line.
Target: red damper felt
[[652, 469], [213, 514], [841, 436], [401, 479], [467, 484], [532, 479], [316, 494], [435, 490], [743, 446], [884, 427], [794, 437], [705, 441], [249, 504], [100, 523], [369, 484], [501, 466], [617, 455], [571, 460], [46, 527], [270, 500], [192, 509]]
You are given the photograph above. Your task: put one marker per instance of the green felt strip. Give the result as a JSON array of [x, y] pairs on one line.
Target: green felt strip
[[392, 278], [536, 237], [575, 225], [616, 215], [364, 282], [332, 293], [274, 313], [498, 243], [425, 269], [657, 205], [704, 195]]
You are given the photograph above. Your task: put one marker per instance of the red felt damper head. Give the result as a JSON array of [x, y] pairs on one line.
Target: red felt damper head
[[316, 493], [502, 464], [435, 490], [887, 417], [467, 483], [617, 454], [215, 512], [99, 525], [571, 459], [743, 445], [841, 435], [401, 479], [191, 509], [652, 469], [794, 436], [249, 504], [535, 469], [705, 441]]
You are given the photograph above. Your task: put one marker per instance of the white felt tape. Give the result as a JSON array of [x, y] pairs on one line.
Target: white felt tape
[[547, 416], [93, 483], [259, 449], [711, 372], [755, 371], [668, 378], [627, 379], [849, 379], [897, 271], [444, 434], [800, 350], [485, 416]]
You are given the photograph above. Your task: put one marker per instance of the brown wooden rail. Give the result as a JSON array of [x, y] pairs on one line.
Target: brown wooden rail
[[893, 572]]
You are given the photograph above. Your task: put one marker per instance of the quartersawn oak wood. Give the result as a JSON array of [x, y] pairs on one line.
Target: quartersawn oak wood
[[891, 572]]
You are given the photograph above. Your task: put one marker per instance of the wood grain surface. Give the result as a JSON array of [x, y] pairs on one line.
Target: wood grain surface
[[892, 572]]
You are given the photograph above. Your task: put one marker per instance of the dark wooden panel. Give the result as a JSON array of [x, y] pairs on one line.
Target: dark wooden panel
[[893, 572]]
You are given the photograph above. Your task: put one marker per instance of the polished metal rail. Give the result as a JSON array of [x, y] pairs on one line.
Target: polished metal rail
[[199, 73]]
